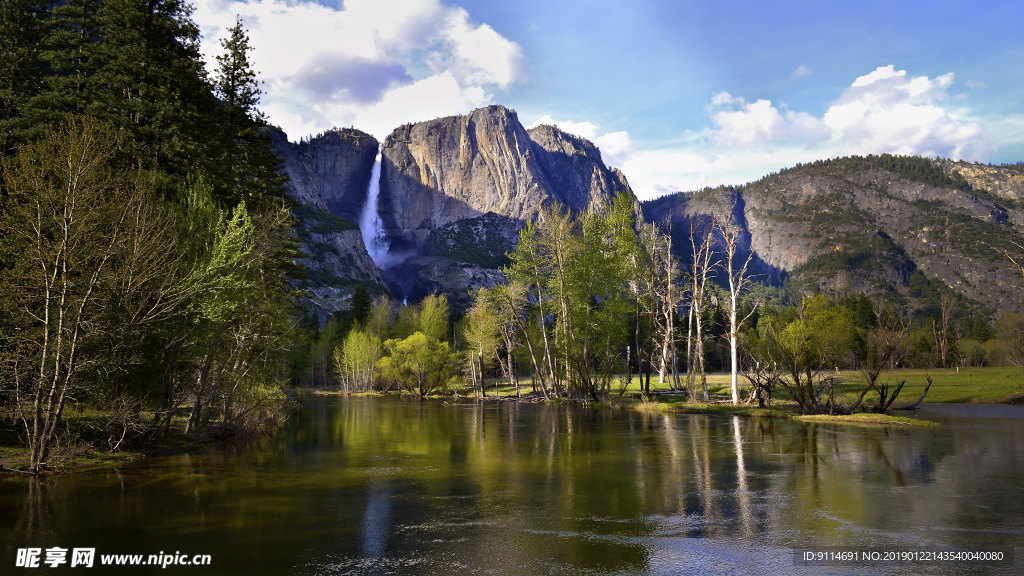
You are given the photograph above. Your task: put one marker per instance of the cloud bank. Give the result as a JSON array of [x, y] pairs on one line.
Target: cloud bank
[[882, 111], [374, 64], [615, 147]]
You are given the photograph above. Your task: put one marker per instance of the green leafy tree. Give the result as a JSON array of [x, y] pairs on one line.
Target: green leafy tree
[[66, 229], [378, 322], [419, 364], [529, 269], [355, 360], [808, 346], [481, 336], [433, 317]]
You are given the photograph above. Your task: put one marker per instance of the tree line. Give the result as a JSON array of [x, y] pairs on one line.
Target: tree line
[[593, 300], [146, 250]]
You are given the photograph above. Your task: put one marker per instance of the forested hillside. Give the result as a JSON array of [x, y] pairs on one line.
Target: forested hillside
[[146, 251], [876, 224]]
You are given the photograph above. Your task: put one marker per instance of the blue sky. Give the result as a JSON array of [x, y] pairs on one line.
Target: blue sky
[[678, 94]]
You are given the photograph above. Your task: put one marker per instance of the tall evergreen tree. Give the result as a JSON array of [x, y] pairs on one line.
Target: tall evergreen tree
[[252, 170], [69, 59], [21, 31], [155, 89]]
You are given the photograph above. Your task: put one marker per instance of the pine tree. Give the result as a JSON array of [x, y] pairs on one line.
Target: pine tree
[[252, 170], [361, 303], [864, 313], [69, 59], [155, 90], [21, 31], [236, 84]]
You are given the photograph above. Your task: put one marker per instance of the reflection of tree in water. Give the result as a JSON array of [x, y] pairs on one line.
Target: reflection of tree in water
[[35, 522], [372, 483]]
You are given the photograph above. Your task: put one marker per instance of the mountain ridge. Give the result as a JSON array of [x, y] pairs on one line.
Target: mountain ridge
[[454, 191]]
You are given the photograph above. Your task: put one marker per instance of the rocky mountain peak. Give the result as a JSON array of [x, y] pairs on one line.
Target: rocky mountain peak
[[330, 171], [458, 167]]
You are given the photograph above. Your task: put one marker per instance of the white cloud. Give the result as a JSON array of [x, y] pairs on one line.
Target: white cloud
[[586, 130], [478, 54], [882, 111], [977, 85], [747, 124], [616, 147], [801, 70], [433, 97], [369, 63]]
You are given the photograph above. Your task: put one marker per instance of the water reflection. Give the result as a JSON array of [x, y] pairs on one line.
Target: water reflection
[[376, 521], [393, 486]]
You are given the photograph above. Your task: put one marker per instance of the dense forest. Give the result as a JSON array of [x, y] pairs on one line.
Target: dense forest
[[146, 255]]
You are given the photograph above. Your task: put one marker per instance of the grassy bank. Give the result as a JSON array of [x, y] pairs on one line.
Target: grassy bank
[[973, 385], [969, 385], [86, 441], [868, 418]]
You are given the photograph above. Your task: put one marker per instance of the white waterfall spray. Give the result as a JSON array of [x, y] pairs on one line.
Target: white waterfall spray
[[370, 224]]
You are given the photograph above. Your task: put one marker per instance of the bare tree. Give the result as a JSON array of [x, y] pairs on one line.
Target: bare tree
[[763, 376], [884, 341], [68, 224], [704, 263], [738, 280], [947, 307]]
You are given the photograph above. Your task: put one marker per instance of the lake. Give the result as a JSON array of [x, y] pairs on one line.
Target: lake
[[398, 486]]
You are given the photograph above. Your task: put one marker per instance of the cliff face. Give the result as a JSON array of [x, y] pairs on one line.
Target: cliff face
[[330, 172], [1001, 181], [329, 176], [444, 170], [453, 194], [843, 225]]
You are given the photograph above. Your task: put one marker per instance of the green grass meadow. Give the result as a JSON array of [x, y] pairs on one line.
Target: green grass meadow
[[968, 385]]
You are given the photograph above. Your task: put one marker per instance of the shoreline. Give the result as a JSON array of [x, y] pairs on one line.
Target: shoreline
[[85, 458], [635, 402]]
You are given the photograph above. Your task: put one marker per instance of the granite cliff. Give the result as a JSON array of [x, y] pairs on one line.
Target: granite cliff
[[329, 176], [853, 225], [454, 193], [458, 167]]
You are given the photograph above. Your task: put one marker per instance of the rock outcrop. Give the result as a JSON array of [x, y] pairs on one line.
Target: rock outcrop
[[448, 169], [329, 176], [844, 226], [1002, 181], [331, 171]]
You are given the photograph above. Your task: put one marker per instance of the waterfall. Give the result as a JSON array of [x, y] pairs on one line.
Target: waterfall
[[370, 224]]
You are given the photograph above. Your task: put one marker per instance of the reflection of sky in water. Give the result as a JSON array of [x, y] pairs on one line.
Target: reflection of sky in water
[[395, 486], [376, 521]]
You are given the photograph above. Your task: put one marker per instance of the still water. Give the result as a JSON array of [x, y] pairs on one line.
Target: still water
[[393, 486]]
